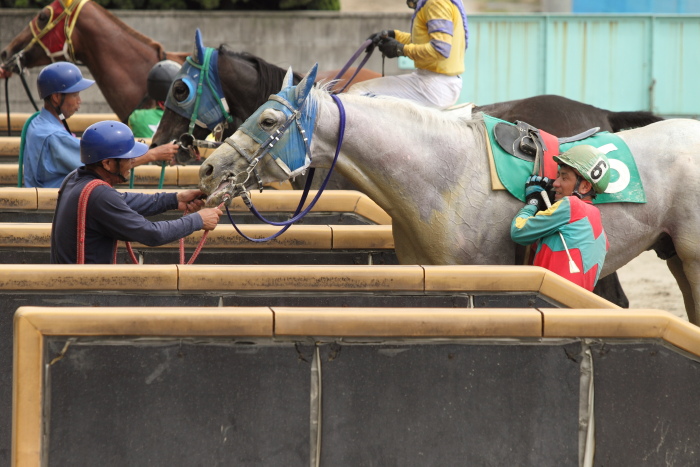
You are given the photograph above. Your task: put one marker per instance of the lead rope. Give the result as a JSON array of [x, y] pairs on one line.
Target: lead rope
[[7, 102], [82, 216], [197, 250], [362, 48], [26, 89], [200, 245]]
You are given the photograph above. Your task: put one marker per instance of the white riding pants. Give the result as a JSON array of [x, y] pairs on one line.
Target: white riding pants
[[425, 87]]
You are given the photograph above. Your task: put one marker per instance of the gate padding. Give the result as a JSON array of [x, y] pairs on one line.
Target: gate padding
[[346, 201], [187, 175], [9, 147], [314, 285], [297, 237], [351, 386], [78, 122], [298, 278]]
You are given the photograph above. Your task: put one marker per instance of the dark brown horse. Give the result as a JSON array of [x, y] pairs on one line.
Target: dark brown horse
[[118, 57], [247, 81], [560, 116]]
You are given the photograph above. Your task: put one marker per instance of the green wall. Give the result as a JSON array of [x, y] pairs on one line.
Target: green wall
[[618, 62]]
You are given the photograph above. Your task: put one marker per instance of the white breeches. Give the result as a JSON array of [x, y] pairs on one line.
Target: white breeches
[[425, 87]]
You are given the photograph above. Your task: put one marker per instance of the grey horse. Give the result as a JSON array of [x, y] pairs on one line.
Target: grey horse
[[429, 171]]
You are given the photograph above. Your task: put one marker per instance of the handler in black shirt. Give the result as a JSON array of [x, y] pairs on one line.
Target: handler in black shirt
[[107, 149]]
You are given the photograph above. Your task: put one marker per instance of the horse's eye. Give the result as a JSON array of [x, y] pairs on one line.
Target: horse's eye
[[268, 123], [180, 90]]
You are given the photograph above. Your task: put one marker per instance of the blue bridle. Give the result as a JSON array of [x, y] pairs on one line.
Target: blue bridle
[[287, 148], [278, 144], [205, 104]]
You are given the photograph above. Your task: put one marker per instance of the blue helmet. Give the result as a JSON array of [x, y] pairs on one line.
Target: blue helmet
[[61, 77], [109, 140]]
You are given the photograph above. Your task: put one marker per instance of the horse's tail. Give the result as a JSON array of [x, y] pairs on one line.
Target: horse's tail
[[625, 120]]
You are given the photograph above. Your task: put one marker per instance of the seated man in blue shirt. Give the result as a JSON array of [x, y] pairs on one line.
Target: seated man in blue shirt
[[91, 216], [51, 151]]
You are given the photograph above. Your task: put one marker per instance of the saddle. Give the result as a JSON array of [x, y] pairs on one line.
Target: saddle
[[524, 141]]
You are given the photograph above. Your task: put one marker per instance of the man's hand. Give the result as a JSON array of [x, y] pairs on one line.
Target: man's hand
[[191, 200], [164, 152], [535, 186], [377, 37], [391, 48], [210, 216], [5, 73]]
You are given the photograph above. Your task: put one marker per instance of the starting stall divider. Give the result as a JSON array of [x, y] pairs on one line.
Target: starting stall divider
[[292, 373], [146, 175], [299, 237], [345, 201], [77, 123]]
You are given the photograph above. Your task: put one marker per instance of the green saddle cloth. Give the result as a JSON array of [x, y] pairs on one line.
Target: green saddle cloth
[[625, 185]]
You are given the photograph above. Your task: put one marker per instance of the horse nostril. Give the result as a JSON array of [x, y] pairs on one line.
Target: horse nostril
[[3, 54], [209, 170]]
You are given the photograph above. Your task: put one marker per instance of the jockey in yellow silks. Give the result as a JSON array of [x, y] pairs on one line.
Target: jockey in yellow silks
[[437, 43]]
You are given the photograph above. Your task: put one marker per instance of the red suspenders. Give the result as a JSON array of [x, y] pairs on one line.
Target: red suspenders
[[82, 214]]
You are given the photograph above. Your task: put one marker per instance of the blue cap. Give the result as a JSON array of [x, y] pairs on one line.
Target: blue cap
[[61, 77], [109, 140]]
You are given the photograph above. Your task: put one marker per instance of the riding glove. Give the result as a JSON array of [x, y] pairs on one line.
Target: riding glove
[[378, 36], [391, 48], [534, 187]]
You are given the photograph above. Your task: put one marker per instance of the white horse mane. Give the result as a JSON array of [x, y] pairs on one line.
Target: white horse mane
[[431, 118]]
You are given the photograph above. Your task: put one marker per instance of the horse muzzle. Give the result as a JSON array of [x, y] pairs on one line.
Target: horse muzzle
[[224, 193], [14, 64]]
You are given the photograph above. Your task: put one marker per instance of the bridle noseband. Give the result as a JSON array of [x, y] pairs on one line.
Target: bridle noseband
[[265, 149]]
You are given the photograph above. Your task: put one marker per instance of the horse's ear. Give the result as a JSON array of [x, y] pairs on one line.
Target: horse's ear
[[306, 84], [198, 55], [288, 79]]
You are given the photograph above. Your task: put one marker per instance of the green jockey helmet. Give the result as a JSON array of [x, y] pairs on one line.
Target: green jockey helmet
[[592, 164]]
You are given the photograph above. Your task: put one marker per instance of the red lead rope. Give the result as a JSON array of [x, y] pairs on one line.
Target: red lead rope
[[82, 215], [196, 251], [202, 241]]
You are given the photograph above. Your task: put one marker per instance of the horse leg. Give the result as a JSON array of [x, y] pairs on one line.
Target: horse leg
[[609, 288], [675, 265]]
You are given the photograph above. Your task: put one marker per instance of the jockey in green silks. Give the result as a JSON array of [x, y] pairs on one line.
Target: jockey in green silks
[[570, 230]]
